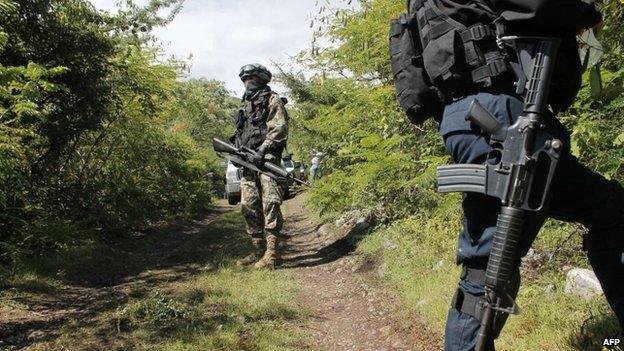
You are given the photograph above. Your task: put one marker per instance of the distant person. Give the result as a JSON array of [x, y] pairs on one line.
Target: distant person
[[315, 172], [261, 125]]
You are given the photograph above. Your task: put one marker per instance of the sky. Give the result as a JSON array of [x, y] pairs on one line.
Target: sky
[[223, 35]]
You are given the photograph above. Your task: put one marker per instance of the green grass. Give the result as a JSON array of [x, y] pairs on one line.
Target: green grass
[[416, 256], [228, 309], [246, 310], [187, 296]]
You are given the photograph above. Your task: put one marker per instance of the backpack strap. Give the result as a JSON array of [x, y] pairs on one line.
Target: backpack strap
[[490, 69], [477, 32]]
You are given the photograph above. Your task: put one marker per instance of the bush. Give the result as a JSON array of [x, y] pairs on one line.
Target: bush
[[155, 313], [90, 125]]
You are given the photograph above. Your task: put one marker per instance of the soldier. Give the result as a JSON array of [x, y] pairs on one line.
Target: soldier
[[261, 125], [464, 62]]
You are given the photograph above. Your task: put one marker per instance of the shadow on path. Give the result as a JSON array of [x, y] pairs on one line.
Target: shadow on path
[[103, 279], [308, 244]]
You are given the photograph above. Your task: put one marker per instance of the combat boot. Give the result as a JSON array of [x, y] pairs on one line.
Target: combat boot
[[271, 255], [259, 245]]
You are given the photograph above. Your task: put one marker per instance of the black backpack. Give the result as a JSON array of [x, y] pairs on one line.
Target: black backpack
[[415, 93]]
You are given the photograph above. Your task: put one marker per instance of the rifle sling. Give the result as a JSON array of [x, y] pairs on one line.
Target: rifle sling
[[476, 275], [467, 303]]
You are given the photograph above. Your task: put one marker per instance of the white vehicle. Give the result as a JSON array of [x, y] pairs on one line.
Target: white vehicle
[[287, 163], [289, 166], [233, 176]]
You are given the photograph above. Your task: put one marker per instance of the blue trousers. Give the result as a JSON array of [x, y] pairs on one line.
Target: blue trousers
[[578, 195], [314, 172]]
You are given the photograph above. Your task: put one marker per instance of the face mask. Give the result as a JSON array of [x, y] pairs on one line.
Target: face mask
[[252, 84]]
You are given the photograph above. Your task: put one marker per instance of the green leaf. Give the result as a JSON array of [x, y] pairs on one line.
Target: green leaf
[[370, 141], [619, 140]]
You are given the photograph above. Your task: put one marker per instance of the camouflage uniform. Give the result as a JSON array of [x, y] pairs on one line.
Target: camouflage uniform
[[261, 196], [261, 125]]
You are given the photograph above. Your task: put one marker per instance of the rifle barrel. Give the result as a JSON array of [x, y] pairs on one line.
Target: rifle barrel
[[221, 146]]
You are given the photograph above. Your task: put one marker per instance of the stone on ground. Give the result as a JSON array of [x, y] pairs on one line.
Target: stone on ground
[[583, 283]]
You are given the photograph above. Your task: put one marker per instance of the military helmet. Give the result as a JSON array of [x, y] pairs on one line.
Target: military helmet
[[255, 69]]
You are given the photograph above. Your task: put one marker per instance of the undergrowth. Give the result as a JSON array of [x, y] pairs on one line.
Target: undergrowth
[[416, 258]]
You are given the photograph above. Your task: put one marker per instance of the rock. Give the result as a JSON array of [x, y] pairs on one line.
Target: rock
[[209, 267], [36, 335], [385, 330], [421, 303], [326, 230], [549, 288], [583, 283], [354, 222], [390, 245], [532, 258], [438, 265], [361, 224]]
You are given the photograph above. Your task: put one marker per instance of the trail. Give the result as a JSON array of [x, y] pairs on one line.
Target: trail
[[37, 312], [345, 308], [347, 312]]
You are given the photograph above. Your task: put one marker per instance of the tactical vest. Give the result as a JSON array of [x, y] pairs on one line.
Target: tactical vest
[[251, 127], [457, 58], [436, 59]]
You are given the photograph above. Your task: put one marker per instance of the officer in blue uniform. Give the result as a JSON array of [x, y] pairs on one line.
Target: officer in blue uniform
[[578, 194]]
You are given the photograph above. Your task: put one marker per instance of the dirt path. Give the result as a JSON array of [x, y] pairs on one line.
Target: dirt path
[[347, 313], [37, 311]]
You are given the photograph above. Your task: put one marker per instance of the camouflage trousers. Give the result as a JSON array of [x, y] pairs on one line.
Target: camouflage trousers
[[261, 197]]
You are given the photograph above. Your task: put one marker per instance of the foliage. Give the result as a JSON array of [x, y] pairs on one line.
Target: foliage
[[376, 160], [374, 156], [88, 124], [154, 312], [195, 300], [203, 109]]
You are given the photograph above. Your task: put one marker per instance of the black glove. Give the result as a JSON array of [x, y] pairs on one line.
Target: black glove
[[258, 156]]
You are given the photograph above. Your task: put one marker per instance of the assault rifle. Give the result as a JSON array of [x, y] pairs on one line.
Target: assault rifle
[[526, 158], [244, 156]]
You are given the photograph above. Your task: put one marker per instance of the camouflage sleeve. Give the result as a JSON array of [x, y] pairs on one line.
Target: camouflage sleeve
[[277, 123]]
